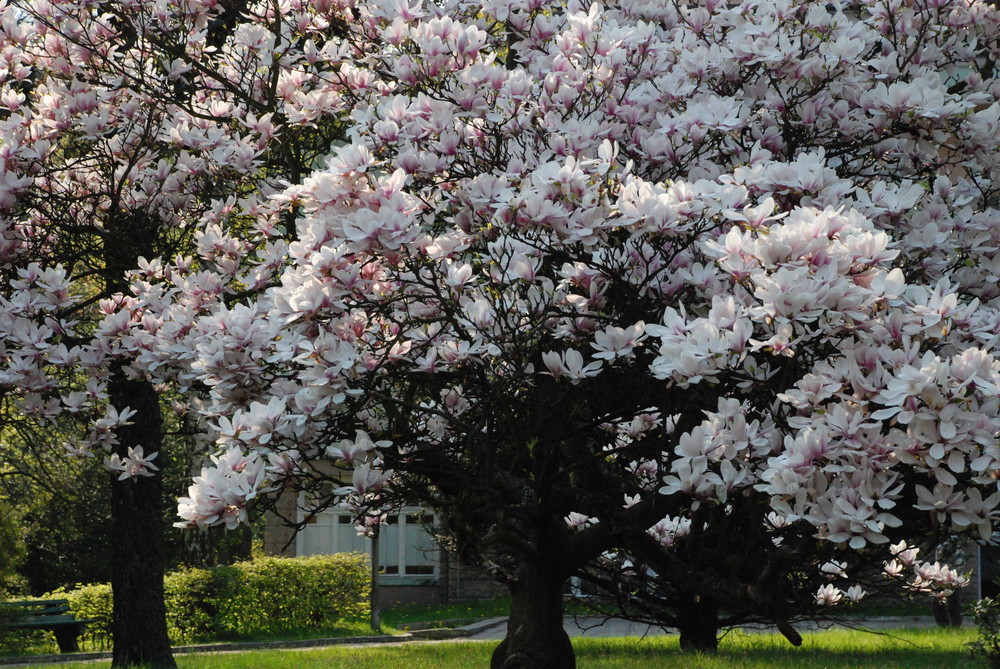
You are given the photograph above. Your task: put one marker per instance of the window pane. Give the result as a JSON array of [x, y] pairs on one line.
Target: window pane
[[388, 545], [348, 539], [421, 551], [317, 536], [419, 569]]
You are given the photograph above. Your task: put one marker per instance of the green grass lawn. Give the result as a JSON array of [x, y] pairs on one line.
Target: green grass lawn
[[395, 620], [445, 615], [832, 649], [877, 609]]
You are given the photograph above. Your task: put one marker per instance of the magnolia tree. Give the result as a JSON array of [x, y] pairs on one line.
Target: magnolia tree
[[134, 135], [700, 296], [707, 293]]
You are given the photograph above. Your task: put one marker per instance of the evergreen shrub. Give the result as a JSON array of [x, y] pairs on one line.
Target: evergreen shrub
[[267, 596]]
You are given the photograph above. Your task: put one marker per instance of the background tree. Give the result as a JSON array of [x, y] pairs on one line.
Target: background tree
[[11, 548], [62, 509], [132, 133]]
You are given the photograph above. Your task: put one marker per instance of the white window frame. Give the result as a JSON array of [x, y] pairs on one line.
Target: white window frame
[[406, 522]]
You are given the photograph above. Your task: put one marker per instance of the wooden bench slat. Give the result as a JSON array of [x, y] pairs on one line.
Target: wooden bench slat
[[45, 621]]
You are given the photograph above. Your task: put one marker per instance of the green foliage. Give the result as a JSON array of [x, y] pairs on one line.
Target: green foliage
[[63, 509], [11, 549], [263, 597], [10, 641], [92, 601], [986, 616], [275, 595], [190, 596]]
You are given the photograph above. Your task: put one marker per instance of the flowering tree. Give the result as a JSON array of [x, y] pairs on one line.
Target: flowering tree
[[133, 134], [700, 288], [711, 287]]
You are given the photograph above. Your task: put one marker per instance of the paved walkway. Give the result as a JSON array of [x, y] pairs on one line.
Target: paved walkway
[[496, 628]]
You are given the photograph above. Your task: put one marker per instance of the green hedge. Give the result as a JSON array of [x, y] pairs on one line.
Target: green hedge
[[264, 597], [273, 595], [91, 601], [190, 596]]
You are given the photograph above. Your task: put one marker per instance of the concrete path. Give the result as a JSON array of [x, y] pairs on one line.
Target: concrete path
[[496, 628]]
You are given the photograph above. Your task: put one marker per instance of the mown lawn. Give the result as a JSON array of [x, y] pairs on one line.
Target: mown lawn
[[832, 649], [444, 615]]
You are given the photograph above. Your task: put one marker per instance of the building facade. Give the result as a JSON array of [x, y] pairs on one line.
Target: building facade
[[413, 569]]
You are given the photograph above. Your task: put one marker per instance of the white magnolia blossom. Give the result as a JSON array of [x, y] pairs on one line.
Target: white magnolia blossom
[[670, 529], [576, 520], [828, 595], [221, 493], [136, 463]]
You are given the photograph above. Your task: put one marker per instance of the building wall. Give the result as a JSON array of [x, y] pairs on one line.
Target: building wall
[[452, 583], [279, 538], [464, 583]]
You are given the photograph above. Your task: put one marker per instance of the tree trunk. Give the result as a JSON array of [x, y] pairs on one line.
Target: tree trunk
[[699, 626], [948, 612], [535, 635], [375, 597], [139, 624]]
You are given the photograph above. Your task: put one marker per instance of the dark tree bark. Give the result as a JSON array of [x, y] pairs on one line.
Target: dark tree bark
[[699, 626], [139, 621], [948, 613], [376, 595], [535, 635], [139, 626]]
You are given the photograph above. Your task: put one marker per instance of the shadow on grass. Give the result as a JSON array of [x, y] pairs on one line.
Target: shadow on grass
[[832, 649]]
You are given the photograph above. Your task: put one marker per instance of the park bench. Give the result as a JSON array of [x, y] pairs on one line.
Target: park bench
[[50, 614]]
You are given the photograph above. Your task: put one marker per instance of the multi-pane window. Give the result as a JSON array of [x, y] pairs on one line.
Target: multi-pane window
[[406, 548]]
